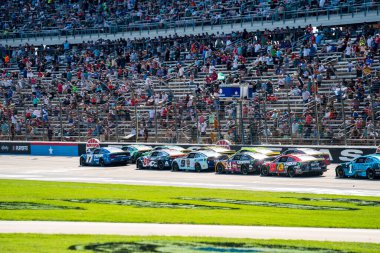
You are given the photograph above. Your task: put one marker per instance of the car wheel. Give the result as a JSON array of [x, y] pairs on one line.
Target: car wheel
[[244, 170], [101, 163], [82, 162], [291, 172], [161, 165], [198, 167], [175, 167], [321, 173], [139, 165], [220, 168], [370, 174], [264, 171], [340, 172]]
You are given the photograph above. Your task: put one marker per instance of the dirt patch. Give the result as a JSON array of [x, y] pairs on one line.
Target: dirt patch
[[192, 247], [271, 204], [148, 204], [34, 206]]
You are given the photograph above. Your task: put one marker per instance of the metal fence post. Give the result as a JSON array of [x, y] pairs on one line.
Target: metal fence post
[[241, 122], [136, 124], [344, 117], [155, 122]]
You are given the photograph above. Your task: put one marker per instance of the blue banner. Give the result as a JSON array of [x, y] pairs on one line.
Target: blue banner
[[53, 149], [229, 92]]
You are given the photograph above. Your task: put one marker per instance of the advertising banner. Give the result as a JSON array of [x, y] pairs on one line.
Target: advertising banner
[[229, 92], [15, 148], [54, 149]]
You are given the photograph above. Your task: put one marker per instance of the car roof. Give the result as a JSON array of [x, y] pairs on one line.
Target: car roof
[[255, 155], [171, 151], [376, 156], [208, 153], [113, 149], [305, 158]]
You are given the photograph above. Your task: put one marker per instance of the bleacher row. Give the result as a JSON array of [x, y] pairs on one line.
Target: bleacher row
[[83, 16], [180, 124]]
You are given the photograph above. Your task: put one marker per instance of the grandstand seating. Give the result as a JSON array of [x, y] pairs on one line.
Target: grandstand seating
[[78, 122]]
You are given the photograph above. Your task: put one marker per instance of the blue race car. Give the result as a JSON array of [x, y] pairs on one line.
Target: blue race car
[[158, 159], [363, 166], [198, 161], [104, 156]]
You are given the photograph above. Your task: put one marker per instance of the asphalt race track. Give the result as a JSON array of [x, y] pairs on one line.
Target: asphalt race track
[[67, 169]]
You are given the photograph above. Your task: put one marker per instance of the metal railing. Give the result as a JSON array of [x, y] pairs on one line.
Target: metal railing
[[346, 9]]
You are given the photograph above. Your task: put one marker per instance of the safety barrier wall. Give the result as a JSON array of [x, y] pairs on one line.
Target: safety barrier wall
[[338, 154]]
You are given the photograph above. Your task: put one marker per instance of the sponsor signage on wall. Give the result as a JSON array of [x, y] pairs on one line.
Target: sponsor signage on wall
[[15, 148], [54, 148]]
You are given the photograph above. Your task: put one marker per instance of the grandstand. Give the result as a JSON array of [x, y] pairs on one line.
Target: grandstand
[[304, 85]]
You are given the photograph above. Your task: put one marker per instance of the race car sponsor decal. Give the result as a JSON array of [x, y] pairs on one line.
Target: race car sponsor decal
[[280, 167]]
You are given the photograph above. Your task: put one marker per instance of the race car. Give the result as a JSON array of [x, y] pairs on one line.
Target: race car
[[363, 166], [310, 152], [104, 156], [198, 161], [243, 163], [158, 159], [258, 150], [136, 151], [293, 165]]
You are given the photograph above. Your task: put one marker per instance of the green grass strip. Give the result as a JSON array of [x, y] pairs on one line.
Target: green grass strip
[[36, 243], [181, 205]]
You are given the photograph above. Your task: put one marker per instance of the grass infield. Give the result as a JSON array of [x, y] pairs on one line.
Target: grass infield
[[57, 201], [33, 243]]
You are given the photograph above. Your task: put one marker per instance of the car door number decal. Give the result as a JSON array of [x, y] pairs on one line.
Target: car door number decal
[[89, 158], [146, 162], [350, 168]]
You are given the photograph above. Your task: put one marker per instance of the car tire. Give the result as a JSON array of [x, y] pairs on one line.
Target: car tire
[[291, 172], [340, 172], [264, 171], [139, 165], [160, 165], [321, 173], [244, 170], [197, 167], [175, 167], [220, 168], [370, 174], [101, 163], [82, 162]]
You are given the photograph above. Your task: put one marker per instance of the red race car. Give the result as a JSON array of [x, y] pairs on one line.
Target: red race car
[[293, 165]]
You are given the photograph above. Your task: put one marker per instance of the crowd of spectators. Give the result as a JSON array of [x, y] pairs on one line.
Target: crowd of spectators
[[65, 16], [96, 85]]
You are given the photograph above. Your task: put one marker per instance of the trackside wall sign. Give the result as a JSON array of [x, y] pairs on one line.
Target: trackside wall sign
[[14, 148], [54, 148]]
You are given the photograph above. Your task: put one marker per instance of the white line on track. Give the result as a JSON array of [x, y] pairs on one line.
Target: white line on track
[[257, 232]]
